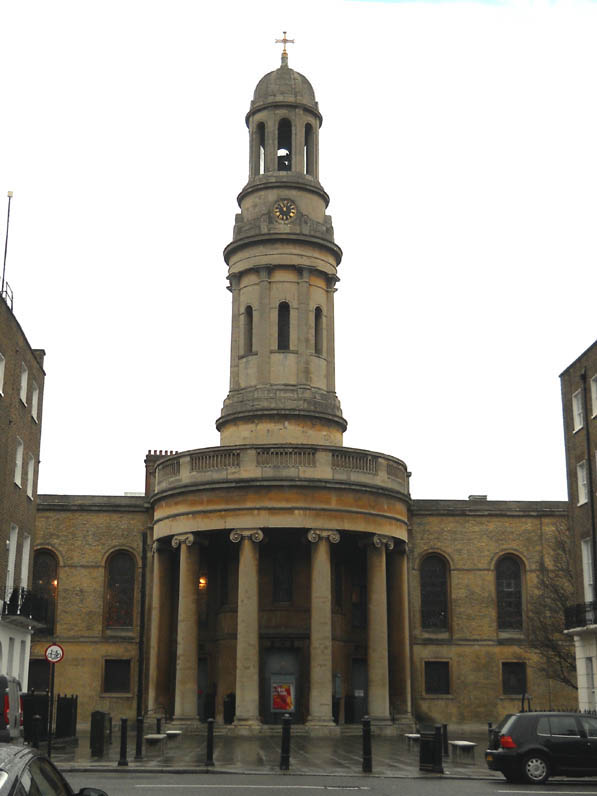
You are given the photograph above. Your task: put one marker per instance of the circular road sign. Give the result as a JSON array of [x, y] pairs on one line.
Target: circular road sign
[[54, 653]]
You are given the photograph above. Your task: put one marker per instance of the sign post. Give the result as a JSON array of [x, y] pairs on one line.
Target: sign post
[[54, 654]]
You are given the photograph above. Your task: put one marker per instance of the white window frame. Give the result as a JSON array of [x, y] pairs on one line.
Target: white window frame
[[586, 549], [34, 400], [24, 380], [25, 554], [12, 557], [19, 462], [578, 418], [2, 367], [30, 474], [594, 395], [581, 482]]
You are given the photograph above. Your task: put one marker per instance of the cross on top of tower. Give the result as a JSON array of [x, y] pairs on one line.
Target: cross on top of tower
[[284, 41]]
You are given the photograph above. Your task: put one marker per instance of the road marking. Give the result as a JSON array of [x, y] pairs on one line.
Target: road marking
[[550, 791], [270, 787]]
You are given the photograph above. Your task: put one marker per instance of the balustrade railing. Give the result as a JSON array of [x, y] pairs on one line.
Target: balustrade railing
[[200, 462], [285, 457], [359, 462]]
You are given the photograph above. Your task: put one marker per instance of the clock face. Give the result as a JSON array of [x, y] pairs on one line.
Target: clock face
[[285, 210]]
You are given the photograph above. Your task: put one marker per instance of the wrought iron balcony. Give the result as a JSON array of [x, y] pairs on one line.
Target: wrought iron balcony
[[25, 607], [580, 615]]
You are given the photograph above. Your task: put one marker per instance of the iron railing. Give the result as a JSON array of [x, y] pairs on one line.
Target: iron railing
[[26, 604], [580, 615]]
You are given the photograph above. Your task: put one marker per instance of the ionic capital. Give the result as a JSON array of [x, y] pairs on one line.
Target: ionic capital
[[183, 538], [254, 534], [383, 541], [315, 535]]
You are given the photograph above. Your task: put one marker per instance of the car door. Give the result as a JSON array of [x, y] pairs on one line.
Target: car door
[[568, 749], [589, 728]]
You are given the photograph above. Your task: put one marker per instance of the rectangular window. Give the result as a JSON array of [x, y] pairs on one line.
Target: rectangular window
[[437, 677], [514, 678], [117, 676], [581, 479], [577, 412], [593, 395], [23, 388], [587, 568], [2, 365], [34, 400], [30, 474], [25, 553], [12, 557], [19, 462]]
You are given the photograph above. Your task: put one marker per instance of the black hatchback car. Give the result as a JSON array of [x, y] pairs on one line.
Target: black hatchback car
[[531, 747], [24, 771]]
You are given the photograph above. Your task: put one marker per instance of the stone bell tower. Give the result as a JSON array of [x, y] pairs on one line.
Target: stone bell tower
[[282, 269]]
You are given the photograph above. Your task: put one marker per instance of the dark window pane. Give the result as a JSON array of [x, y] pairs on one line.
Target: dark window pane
[[282, 577], [434, 593], [283, 326], [248, 329], [121, 591], [563, 725], [514, 678], [509, 594], [44, 586], [117, 676], [437, 677], [39, 674], [318, 331]]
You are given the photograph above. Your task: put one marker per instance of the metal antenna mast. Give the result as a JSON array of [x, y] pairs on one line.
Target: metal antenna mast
[[6, 245]]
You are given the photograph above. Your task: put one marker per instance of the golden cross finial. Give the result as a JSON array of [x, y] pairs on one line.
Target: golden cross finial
[[284, 41]]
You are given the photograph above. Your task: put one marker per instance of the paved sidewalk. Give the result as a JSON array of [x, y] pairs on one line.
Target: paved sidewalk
[[261, 755]]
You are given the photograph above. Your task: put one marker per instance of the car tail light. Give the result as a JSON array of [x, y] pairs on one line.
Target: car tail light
[[6, 711], [506, 742]]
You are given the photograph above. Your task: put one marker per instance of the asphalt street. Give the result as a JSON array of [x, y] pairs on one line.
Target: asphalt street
[[171, 784]]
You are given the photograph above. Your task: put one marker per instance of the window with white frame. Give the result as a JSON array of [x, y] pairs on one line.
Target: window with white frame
[[30, 474], [581, 479], [593, 395], [25, 553], [19, 462], [578, 417], [34, 400], [586, 549], [12, 557], [24, 378], [2, 365]]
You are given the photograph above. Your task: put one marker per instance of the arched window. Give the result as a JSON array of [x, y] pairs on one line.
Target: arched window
[[434, 593], [309, 160], [45, 588], [284, 145], [120, 590], [318, 331], [509, 593], [261, 144], [283, 326], [248, 329]]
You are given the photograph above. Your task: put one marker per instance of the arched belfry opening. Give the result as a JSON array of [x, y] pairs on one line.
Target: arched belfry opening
[[283, 326], [284, 145], [309, 154]]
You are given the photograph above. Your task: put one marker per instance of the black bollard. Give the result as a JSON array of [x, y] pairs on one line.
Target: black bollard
[[209, 749], [139, 739], [158, 725], [35, 730], [123, 730], [437, 750], [367, 759], [445, 739], [285, 752]]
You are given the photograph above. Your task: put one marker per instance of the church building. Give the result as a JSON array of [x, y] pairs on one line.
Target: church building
[[281, 571]]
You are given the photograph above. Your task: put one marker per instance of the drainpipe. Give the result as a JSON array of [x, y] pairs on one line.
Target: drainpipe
[[141, 667], [590, 490]]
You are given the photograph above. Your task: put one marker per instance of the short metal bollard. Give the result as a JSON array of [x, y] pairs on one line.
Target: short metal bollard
[[123, 730], [367, 757], [446, 748], [285, 752], [209, 749], [158, 725], [139, 739], [36, 728]]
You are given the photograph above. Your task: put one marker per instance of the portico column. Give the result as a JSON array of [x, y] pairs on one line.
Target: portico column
[[159, 649], [377, 629], [399, 641], [247, 634], [320, 689], [185, 703]]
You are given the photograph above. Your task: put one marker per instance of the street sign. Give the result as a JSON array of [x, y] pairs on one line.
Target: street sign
[[54, 653]]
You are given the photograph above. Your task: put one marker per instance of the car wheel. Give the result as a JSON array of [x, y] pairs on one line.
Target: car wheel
[[535, 769]]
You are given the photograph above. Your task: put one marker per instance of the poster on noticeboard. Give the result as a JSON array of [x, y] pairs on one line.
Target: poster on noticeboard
[[282, 694]]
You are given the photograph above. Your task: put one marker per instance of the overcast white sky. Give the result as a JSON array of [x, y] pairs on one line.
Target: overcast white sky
[[459, 148]]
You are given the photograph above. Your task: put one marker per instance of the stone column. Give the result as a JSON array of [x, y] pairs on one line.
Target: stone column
[[185, 703], [320, 690], [247, 633], [399, 640], [377, 629], [159, 644]]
